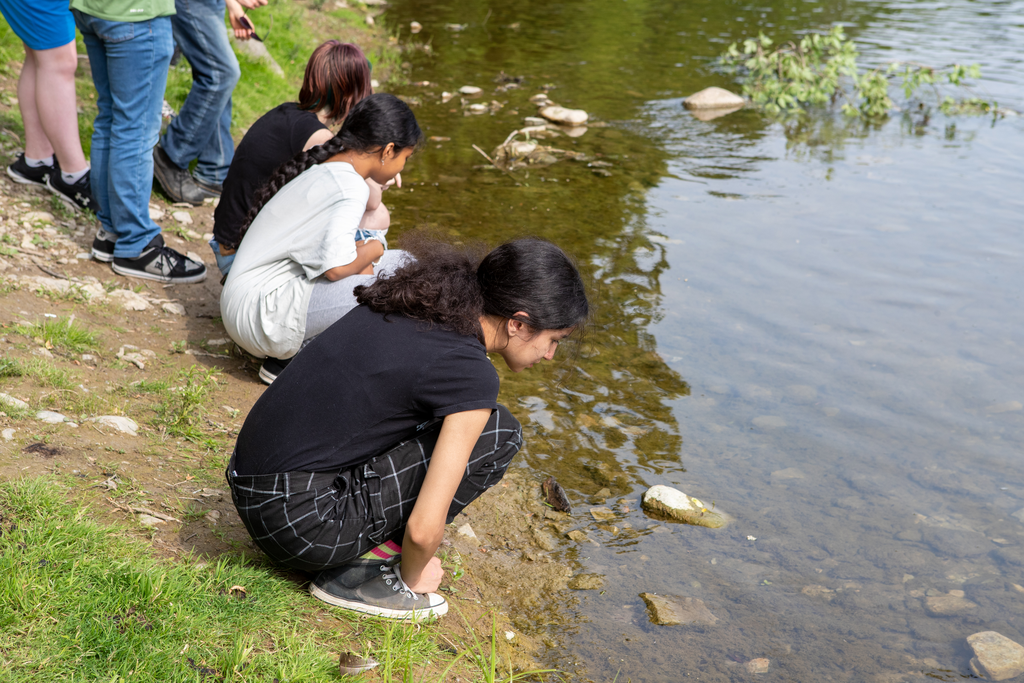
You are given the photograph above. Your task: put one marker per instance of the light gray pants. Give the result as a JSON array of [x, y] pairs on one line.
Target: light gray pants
[[330, 301]]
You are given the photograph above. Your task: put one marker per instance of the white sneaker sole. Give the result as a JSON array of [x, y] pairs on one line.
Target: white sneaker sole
[[143, 275], [266, 377], [362, 607], [102, 256], [22, 180]]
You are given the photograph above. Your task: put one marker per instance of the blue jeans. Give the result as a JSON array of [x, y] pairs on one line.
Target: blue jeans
[[202, 129], [223, 262], [129, 63]]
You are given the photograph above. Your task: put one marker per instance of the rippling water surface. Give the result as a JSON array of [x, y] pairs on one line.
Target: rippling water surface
[[814, 324]]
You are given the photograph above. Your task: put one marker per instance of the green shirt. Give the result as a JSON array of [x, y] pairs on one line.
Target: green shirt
[[125, 10]]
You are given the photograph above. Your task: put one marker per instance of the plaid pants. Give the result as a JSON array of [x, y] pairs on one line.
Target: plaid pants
[[318, 520]]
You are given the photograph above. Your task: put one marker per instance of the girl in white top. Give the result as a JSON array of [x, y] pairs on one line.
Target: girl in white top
[[294, 272]]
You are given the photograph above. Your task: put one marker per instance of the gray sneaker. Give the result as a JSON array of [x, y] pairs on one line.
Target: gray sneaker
[[103, 246], [384, 595]]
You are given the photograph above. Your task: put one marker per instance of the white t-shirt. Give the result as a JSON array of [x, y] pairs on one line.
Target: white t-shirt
[[306, 229]]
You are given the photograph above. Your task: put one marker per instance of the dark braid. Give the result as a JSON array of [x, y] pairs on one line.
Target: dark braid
[[371, 124], [288, 171]]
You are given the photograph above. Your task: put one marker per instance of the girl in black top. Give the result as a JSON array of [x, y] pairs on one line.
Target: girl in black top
[[337, 76], [387, 425]]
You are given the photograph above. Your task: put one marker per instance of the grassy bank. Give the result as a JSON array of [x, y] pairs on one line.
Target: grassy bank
[[83, 601]]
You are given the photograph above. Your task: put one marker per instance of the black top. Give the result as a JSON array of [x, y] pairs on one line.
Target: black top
[[275, 138], [360, 388]]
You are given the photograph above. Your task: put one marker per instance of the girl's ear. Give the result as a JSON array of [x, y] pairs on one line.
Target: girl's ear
[[518, 328], [388, 151]]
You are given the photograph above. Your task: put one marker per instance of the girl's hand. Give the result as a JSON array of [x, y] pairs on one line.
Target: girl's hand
[[396, 181], [429, 579]]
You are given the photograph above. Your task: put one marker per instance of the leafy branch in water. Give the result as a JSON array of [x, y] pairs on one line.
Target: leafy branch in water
[[822, 69]]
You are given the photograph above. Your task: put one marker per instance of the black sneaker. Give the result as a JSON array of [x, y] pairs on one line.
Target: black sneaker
[[161, 263], [272, 367], [103, 246], [77, 195], [177, 182], [384, 595], [209, 189], [20, 172]]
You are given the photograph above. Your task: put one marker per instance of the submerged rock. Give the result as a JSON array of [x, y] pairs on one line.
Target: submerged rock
[[586, 582], [758, 666], [571, 117], [470, 90], [996, 657], [714, 98], [679, 506], [952, 603], [667, 610]]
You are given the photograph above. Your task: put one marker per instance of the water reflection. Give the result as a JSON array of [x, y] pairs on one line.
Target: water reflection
[[841, 298]]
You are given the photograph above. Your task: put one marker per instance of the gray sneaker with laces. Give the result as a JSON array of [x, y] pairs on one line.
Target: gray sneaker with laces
[[384, 595], [161, 263]]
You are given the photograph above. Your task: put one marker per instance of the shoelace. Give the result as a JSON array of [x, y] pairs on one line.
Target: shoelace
[[399, 583], [176, 260]]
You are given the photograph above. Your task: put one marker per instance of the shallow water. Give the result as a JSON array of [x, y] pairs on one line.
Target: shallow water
[[814, 325]]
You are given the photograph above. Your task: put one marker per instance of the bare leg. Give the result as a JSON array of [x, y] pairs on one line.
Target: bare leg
[[37, 146], [377, 219], [46, 95]]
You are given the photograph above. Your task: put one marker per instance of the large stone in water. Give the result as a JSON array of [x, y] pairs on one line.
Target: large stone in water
[[996, 657], [679, 506], [666, 610], [569, 117], [943, 605], [714, 98]]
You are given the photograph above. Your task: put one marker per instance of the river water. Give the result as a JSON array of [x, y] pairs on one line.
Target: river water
[[813, 324]]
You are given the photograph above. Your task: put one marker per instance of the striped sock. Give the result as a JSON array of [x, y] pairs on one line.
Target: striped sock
[[385, 551]]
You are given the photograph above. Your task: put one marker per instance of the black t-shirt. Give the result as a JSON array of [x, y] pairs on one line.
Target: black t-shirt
[[275, 138], [361, 387]]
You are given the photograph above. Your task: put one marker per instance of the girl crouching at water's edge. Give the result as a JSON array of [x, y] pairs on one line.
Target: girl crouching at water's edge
[[387, 424]]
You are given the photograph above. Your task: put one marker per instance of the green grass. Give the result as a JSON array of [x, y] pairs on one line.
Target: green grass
[[183, 407], [80, 601], [61, 333]]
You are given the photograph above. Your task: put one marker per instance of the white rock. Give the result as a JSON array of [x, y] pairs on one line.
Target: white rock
[[155, 213], [467, 531], [572, 117], [130, 301], [173, 308], [50, 417], [510, 635], [212, 516], [370, 21], [121, 423], [42, 352], [84, 256], [477, 109], [996, 657], [149, 520], [446, 96], [9, 400], [540, 99], [133, 357], [714, 98], [217, 342], [534, 121], [575, 131], [676, 504], [8, 434], [415, 26], [38, 217], [183, 217], [470, 90], [88, 358]]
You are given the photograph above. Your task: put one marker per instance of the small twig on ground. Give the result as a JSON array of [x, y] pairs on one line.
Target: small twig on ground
[[158, 515], [52, 273]]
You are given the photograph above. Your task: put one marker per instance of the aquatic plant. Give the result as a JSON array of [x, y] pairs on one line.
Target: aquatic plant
[[822, 70]]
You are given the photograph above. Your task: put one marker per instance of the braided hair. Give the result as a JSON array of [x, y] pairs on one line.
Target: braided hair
[[371, 124]]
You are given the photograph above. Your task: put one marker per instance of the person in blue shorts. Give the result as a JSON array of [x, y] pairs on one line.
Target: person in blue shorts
[[53, 156]]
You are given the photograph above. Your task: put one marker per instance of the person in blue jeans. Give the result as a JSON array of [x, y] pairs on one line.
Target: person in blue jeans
[[202, 129], [129, 53]]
